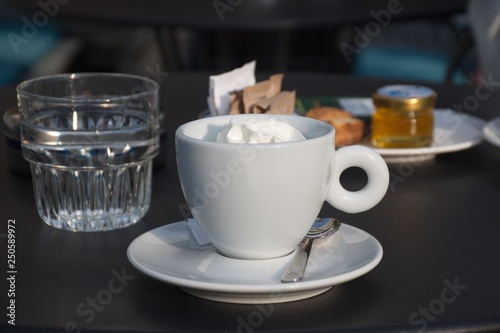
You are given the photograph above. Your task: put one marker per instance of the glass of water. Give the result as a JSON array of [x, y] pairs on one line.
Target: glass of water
[[90, 139]]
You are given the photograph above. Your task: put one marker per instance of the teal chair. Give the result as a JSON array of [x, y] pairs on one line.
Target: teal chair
[[21, 48]]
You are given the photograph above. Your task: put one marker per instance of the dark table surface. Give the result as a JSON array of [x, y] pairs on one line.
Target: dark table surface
[[438, 225]]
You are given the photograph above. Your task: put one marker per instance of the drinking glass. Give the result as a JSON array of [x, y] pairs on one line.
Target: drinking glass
[[90, 139]]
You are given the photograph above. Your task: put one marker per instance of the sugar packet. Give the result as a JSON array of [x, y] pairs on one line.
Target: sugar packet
[[222, 85]]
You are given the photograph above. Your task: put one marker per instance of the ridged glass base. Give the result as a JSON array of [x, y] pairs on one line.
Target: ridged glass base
[[92, 199]]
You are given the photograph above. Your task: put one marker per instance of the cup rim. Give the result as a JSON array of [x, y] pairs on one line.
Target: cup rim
[[153, 87], [179, 133]]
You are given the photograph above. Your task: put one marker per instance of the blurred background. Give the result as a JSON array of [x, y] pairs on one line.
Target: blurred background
[[427, 41]]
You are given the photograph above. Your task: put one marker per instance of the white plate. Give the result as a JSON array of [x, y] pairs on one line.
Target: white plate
[[171, 254], [452, 132], [491, 132]]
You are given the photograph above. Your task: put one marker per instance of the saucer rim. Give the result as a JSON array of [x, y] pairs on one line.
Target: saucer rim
[[490, 134], [373, 259]]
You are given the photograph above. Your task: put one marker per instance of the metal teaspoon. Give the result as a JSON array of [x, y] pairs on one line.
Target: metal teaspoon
[[322, 227]]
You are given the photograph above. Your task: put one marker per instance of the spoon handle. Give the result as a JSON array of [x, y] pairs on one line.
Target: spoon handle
[[295, 270]]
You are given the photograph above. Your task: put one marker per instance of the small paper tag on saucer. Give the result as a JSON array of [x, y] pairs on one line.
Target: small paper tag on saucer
[[198, 234], [359, 107]]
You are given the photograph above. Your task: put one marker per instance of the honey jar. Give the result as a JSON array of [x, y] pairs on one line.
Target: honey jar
[[403, 117]]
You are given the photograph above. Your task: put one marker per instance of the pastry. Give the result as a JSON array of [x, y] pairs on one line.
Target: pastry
[[348, 129]]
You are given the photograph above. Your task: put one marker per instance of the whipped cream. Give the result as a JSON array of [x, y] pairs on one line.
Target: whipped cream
[[258, 131]]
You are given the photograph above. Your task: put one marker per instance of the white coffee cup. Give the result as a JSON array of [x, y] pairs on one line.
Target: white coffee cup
[[257, 201]]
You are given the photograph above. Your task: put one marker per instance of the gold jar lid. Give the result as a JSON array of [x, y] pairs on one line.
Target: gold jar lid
[[404, 97]]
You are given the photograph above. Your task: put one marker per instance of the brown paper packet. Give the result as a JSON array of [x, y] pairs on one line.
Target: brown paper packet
[[261, 90], [236, 102], [282, 103]]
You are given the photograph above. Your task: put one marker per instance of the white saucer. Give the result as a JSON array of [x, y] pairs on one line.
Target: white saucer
[[452, 132], [491, 132], [171, 254]]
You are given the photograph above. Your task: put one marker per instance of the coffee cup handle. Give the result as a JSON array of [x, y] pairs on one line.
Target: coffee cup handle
[[369, 196]]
